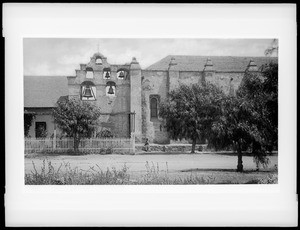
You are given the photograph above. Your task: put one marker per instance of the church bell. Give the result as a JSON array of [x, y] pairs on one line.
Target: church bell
[[110, 90], [107, 75], [88, 92], [121, 75]]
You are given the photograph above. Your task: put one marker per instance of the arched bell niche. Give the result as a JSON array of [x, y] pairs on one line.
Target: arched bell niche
[[110, 89], [88, 91]]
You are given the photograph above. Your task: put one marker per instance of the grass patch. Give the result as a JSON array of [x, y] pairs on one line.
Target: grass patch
[[66, 175]]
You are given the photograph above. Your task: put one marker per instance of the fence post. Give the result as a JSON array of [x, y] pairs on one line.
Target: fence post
[[133, 142], [54, 139]]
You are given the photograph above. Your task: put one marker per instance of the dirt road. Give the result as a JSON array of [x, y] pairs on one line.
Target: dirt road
[[174, 163]]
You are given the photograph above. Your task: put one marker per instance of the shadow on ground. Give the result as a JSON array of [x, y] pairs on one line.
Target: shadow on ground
[[269, 170]]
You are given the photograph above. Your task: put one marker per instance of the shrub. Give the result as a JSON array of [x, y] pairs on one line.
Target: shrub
[[65, 175], [105, 134], [271, 179]]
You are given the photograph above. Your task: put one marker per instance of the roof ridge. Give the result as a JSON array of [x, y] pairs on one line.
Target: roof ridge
[[46, 75], [222, 63], [217, 56]]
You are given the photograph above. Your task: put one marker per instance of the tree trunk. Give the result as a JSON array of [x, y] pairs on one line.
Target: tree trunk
[[240, 156], [194, 145]]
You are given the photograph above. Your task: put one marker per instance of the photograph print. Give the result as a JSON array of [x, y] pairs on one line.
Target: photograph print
[[168, 111]]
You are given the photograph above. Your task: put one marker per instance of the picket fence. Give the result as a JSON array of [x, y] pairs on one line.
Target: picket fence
[[36, 145]]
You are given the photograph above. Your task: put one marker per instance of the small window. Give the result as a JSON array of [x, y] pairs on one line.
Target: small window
[[89, 73], [153, 107], [98, 61], [40, 129], [110, 89], [106, 73]]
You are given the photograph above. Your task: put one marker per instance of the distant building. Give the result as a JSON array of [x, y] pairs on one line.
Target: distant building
[[40, 96], [129, 96]]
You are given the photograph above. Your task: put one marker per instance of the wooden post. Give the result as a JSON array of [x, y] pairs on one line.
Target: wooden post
[[133, 142], [54, 137]]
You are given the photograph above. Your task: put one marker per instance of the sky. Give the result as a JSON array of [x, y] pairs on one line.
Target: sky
[[61, 56]]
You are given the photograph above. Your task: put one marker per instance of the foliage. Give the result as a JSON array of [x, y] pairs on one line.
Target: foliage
[[273, 48], [249, 120], [66, 175], [105, 134], [28, 118], [270, 179], [232, 128], [270, 87], [260, 95], [76, 118], [190, 111], [154, 175]]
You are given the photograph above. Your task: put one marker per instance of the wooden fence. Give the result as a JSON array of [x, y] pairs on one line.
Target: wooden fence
[[36, 145]]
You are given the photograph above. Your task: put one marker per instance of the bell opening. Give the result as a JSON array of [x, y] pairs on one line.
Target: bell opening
[[111, 90], [121, 75], [107, 75], [88, 92]]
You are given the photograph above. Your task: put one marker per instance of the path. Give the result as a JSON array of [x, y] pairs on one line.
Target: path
[[136, 163]]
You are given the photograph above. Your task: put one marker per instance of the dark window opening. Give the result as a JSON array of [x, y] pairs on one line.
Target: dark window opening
[[153, 107], [40, 129]]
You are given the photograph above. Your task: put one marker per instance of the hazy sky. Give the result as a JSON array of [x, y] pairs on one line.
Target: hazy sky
[[60, 56]]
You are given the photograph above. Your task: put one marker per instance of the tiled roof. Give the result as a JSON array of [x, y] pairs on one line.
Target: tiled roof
[[44, 91], [220, 63]]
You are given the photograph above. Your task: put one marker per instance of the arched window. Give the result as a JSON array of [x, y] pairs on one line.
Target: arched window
[[153, 107], [89, 72]]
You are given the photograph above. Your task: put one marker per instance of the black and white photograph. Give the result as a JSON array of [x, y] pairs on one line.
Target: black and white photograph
[[150, 111], [140, 115]]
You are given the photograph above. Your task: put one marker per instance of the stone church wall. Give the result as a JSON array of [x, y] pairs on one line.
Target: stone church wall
[[190, 77], [154, 84], [226, 80], [115, 109]]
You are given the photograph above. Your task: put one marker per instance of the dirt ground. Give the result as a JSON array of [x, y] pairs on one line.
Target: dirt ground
[[211, 165]]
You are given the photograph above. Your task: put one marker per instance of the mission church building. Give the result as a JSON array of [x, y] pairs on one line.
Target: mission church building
[[129, 96]]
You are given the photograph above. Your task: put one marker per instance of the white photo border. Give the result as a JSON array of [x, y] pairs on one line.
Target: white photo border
[[187, 205]]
